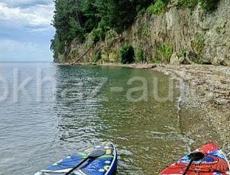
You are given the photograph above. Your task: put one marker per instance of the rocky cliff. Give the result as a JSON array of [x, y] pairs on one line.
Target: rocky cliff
[[177, 36]]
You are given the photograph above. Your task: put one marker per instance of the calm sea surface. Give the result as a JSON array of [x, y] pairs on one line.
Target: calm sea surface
[[49, 111]]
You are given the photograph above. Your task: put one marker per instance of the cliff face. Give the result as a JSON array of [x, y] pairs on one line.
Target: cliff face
[[178, 36]]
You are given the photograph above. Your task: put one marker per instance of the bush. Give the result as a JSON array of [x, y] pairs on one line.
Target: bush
[[97, 35], [164, 52], [97, 56], [57, 46], [188, 3], [140, 55], [127, 54], [158, 7], [198, 43], [209, 5], [182, 53], [110, 37]]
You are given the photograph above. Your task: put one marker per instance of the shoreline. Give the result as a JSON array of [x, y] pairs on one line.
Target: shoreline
[[211, 83], [208, 88]]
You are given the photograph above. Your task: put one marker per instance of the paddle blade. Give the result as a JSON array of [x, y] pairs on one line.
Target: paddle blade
[[96, 153], [196, 156], [93, 155]]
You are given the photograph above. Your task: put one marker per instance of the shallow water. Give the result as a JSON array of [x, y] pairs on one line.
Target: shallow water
[[62, 109]]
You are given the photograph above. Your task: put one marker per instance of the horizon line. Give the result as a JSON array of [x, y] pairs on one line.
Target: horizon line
[[26, 62]]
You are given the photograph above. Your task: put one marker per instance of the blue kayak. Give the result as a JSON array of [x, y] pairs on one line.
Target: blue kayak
[[104, 165]]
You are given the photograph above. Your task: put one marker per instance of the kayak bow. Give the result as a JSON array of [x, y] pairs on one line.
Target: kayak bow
[[214, 163]]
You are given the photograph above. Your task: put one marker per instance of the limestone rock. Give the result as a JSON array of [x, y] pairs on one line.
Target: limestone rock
[[174, 59], [205, 36]]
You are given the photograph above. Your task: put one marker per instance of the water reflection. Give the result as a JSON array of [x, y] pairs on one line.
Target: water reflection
[[109, 116], [91, 106], [78, 122]]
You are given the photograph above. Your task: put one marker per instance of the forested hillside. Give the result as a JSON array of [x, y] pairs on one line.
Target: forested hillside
[[177, 31], [74, 19]]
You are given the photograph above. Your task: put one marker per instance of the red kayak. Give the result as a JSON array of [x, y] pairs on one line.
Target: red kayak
[[214, 162]]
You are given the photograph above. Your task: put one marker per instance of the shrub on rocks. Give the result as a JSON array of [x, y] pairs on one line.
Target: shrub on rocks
[[127, 54]]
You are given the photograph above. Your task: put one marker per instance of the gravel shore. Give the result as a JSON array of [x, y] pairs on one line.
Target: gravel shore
[[203, 87], [208, 87]]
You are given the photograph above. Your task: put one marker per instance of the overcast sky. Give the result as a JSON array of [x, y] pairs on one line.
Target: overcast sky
[[25, 30]]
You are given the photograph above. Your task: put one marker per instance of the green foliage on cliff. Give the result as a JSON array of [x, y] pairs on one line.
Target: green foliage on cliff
[[198, 43], [140, 55], [97, 56], [75, 19], [188, 3], [127, 54], [164, 52], [207, 5], [158, 7], [80, 19]]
